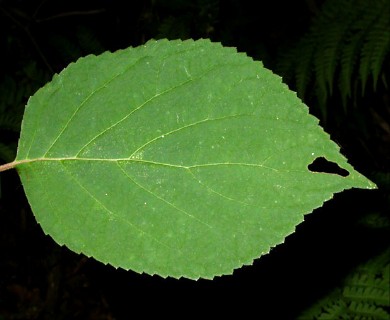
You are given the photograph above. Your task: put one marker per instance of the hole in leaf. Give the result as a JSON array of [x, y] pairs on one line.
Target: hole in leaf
[[325, 166]]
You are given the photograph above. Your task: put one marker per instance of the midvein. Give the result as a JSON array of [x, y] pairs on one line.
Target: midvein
[[143, 161]]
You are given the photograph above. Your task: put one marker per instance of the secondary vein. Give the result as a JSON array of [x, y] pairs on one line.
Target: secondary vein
[[104, 85]]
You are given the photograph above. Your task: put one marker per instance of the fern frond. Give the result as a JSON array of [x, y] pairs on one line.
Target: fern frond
[[381, 36], [368, 293], [303, 71], [364, 310], [376, 43], [334, 310], [365, 294], [352, 45], [332, 28], [348, 60], [349, 38], [293, 65], [325, 59]]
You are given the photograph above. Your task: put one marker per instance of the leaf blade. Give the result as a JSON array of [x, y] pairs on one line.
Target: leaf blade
[[169, 166]]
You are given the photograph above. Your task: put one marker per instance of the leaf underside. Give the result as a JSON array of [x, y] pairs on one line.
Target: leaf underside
[[176, 158]]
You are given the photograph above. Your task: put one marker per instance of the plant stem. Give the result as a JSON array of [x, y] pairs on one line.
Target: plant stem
[[8, 166], [13, 164]]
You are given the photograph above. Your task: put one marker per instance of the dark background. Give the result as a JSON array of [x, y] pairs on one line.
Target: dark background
[[40, 280]]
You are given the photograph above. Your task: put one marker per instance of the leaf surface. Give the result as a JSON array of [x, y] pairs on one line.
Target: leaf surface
[[176, 158]]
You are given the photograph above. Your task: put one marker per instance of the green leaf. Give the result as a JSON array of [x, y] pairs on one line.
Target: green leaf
[[176, 158]]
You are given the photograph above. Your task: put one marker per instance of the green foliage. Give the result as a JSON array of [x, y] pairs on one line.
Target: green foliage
[[365, 294], [149, 160], [347, 45]]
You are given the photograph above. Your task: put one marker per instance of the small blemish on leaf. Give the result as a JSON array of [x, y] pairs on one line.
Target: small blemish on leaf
[[323, 165]]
